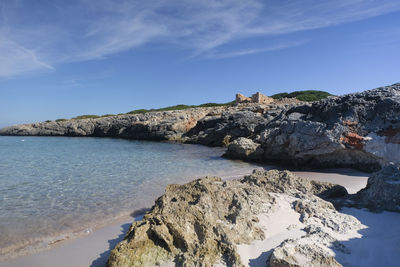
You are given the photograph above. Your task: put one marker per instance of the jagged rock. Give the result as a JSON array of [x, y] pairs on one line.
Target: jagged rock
[[311, 250], [360, 130], [244, 148], [211, 130], [382, 191], [201, 222], [324, 227], [165, 125]]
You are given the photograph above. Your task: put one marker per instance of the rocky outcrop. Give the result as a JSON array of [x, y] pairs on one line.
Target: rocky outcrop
[[359, 130], [244, 148], [382, 191], [202, 222], [214, 130], [166, 125]]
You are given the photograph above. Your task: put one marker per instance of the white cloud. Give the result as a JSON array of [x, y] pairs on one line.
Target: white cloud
[[245, 52], [16, 59], [38, 37]]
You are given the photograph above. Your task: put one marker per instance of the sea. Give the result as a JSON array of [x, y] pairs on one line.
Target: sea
[[57, 188]]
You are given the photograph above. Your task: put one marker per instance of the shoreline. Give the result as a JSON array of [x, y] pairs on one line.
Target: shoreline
[[93, 249]]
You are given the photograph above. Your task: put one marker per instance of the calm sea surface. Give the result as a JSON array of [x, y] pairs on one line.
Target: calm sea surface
[[53, 188]]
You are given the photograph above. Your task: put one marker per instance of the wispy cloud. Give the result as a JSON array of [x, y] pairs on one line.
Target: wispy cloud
[[37, 37], [249, 51], [16, 59]]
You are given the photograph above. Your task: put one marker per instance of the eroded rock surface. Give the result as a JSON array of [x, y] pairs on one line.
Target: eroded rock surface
[[202, 222], [359, 130], [167, 125], [382, 191]]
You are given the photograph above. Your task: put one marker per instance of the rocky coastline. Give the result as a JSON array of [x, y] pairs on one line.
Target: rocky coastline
[[360, 130], [206, 221]]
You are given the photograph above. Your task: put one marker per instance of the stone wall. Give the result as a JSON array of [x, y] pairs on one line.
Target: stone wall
[[255, 98]]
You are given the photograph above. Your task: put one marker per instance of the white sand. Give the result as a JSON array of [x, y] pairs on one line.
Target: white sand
[[93, 249], [380, 241], [278, 226], [351, 179]]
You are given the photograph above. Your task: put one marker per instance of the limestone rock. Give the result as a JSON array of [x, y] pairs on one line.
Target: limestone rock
[[201, 222], [161, 125], [360, 130], [382, 191], [244, 148], [324, 227]]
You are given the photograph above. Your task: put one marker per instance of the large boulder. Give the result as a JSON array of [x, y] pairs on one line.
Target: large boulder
[[214, 130], [201, 223], [244, 148], [382, 191]]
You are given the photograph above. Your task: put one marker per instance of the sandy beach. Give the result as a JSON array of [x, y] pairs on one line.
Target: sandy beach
[[93, 249]]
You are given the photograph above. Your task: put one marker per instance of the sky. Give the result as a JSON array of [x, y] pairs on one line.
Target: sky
[[60, 59]]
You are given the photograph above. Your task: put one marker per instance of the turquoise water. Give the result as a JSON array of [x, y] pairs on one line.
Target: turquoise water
[[53, 188]]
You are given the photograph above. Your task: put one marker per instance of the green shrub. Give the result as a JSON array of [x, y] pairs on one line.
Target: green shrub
[[308, 95], [180, 107], [60, 120], [86, 117], [48, 121], [108, 115]]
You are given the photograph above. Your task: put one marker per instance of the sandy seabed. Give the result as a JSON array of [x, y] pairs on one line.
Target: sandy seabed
[[376, 245]]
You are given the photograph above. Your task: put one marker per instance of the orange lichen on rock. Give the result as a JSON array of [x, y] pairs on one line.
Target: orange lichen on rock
[[354, 140], [349, 123]]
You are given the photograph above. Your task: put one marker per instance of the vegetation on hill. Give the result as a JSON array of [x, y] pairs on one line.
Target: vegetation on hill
[[180, 107], [85, 117], [140, 111], [308, 95]]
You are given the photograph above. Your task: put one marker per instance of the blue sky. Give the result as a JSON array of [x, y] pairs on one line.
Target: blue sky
[[59, 59]]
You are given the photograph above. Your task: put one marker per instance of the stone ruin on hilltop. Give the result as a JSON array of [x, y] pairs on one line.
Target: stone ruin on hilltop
[[255, 98]]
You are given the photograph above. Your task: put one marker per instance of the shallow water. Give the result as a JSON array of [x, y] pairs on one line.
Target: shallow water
[[53, 188]]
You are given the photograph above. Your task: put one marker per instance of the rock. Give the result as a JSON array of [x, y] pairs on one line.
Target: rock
[[201, 223], [358, 130], [312, 250], [166, 125], [288, 183], [244, 148], [382, 191], [324, 227], [212, 130]]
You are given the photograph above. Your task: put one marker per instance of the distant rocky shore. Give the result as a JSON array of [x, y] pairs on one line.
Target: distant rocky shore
[[360, 130]]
